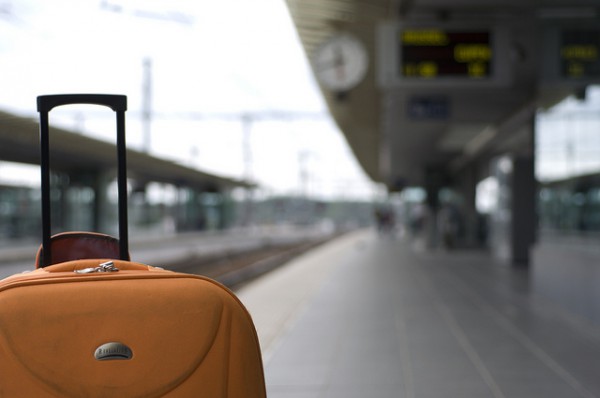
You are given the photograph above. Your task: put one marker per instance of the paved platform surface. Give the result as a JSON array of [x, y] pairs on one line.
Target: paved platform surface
[[369, 316]]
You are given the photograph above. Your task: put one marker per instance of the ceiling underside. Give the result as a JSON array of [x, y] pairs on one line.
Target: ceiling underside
[[391, 144]]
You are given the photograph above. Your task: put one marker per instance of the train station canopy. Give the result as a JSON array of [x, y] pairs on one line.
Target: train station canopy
[[76, 153], [417, 85]]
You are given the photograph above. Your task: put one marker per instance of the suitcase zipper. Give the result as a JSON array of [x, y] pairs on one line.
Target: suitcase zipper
[[108, 266]]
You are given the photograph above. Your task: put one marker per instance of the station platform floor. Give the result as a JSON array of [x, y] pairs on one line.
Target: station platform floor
[[372, 316]]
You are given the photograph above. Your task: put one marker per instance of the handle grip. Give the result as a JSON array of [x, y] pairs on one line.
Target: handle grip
[[45, 103]]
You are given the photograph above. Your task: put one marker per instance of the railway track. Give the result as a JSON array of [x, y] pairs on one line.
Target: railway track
[[236, 268]]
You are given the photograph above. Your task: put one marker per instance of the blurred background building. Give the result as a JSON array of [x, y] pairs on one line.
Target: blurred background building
[[236, 110]]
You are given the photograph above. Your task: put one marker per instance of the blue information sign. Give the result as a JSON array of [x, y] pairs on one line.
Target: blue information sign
[[428, 108]]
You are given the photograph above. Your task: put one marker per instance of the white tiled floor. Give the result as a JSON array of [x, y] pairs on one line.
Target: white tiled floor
[[365, 316]]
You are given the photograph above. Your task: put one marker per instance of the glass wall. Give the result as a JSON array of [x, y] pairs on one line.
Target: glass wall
[[568, 165]]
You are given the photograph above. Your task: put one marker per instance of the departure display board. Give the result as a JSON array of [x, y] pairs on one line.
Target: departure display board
[[438, 53], [579, 53]]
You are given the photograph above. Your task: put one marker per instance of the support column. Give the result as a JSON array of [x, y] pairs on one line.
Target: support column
[[103, 220], [524, 217], [226, 210], [434, 181], [468, 190], [514, 222], [59, 202], [524, 200]]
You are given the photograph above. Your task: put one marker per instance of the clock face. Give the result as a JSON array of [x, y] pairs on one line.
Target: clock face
[[340, 63]]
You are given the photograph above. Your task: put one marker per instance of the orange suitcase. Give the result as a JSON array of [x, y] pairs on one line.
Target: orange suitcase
[[136, 332], [109, 327]]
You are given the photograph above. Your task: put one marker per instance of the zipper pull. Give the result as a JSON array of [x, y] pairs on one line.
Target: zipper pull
[[108, 266]]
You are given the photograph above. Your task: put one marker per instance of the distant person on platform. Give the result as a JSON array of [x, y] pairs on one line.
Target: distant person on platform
[[385, 220]]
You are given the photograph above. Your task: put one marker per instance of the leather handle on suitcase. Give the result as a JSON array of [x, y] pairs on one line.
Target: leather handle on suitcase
[[118, 103]]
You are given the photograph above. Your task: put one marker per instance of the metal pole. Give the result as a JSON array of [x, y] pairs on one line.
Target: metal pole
[[147, 104], [45, 170]]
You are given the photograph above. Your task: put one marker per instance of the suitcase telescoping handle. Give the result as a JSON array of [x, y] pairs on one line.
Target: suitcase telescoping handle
[[118, 103]]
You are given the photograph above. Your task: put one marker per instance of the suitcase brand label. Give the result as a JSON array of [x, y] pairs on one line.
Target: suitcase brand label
[[113, 351]]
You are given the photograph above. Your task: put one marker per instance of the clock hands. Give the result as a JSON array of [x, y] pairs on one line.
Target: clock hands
[[339, 62]]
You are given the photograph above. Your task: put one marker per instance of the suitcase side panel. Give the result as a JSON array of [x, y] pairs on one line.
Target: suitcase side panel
[[178, 327]]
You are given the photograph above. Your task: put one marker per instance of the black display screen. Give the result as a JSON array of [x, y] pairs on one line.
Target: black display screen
[[580, 54], [435, 53]]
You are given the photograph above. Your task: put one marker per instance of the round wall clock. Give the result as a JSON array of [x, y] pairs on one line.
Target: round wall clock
[[340, 63]]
